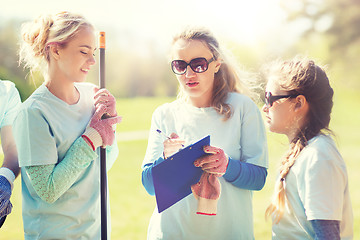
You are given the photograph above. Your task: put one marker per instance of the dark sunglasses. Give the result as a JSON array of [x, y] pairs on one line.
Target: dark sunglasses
[[198, 65], [270, 99]]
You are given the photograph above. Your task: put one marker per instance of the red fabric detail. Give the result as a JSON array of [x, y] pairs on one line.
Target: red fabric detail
[[88, 139]]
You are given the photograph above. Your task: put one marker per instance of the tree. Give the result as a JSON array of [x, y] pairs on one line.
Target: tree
[[335, 26], [337, 18]]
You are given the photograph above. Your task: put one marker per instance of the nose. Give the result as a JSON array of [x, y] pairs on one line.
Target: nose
[[189, 72], [92, 60]]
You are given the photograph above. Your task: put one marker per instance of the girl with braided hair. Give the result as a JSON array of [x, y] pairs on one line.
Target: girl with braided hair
[[311, 198]]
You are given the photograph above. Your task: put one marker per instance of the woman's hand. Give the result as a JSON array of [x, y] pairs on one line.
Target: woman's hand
[[105, 98], [215, 162], [100, 132], [172, 145]]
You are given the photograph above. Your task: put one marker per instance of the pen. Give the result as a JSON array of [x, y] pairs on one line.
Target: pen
[[160, 132]]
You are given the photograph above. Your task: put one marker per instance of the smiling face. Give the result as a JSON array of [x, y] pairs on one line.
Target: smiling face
[[74, 60], [197, 86]]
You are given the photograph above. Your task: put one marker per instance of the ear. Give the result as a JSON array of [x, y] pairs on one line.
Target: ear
[[301, 103], [54, 51], [217, 65]]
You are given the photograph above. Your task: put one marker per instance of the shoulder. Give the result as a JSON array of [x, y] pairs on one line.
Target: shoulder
[[168, 107], [7, 87], [321, 148], [243, 105], [321, 144], [240, 100]]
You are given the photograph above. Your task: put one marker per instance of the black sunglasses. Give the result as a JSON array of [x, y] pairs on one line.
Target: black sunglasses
[[270, 99], [198, 65]]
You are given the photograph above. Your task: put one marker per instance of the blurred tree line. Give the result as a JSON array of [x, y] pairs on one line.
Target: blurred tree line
[[330, 34]]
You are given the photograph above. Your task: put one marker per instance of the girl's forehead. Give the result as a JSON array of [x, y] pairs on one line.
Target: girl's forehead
[[273, 85], [190, 48], [85, 36]]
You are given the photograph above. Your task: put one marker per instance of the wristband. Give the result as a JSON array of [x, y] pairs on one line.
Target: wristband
[[88, 139]]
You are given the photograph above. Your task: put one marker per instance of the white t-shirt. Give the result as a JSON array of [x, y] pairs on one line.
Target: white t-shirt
[[44, 130], [316, 188], [242, 137], [9, 103]]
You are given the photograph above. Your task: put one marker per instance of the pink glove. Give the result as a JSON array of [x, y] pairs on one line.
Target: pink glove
[[100, 131], [207, 192], [215, 163], [104, 97]]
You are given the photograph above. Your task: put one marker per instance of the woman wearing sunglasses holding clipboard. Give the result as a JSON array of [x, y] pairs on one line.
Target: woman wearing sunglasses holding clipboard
[[212, 101]]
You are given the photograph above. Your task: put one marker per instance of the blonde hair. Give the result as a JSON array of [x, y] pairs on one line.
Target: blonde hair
[[38, 35], [301, 76], [228, 79]]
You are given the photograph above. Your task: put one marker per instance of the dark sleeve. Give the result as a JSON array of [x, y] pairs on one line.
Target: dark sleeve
[[146, 176], [245, 175], [326, 229]]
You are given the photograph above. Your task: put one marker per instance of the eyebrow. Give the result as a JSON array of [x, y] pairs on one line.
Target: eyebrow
[[87, 46]]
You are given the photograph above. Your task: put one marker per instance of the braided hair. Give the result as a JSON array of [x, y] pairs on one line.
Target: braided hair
[[301, 76]]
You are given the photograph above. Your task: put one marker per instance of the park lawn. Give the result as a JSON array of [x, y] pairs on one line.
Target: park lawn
[[131, 206]]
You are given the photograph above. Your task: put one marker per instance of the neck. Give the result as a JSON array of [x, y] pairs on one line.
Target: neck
[[64, 90]]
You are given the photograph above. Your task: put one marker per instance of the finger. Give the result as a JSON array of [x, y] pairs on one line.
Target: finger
[[104, 99], [204, 160], [96, 88], [102, 91], [211, 149], [174, 135], [113, 120], [99, 112], [210, 166], [174, 143]]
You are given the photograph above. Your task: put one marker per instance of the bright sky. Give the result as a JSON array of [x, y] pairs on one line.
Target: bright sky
[[244, 21]]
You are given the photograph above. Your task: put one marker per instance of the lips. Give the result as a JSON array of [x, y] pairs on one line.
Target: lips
[[192, 84], [268, 119], [85, 70]]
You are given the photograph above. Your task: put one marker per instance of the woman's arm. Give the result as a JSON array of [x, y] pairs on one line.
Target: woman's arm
[[146, 176], [326, 229], [245, 175], [51, 181]]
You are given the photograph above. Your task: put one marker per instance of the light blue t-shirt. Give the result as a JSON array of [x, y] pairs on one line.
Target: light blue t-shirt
[[9, 103], [316, 188], [242, 137], [44, 130]]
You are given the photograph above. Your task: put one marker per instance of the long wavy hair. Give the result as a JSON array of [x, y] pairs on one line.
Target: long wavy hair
[[301, 76]]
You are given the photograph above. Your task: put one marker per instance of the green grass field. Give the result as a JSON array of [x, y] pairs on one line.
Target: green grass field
[[131, 206]]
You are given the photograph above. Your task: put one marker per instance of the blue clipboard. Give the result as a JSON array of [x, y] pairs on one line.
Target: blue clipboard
[[173, 177]]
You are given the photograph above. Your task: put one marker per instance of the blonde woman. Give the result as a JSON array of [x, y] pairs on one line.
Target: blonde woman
[[311, 198], [59, 130], [210, 103]]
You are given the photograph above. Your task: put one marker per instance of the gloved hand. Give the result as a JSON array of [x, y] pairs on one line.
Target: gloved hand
[[207, 192], [100, 131], [104, 97], [216, 162], [5, 194]]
